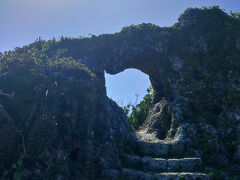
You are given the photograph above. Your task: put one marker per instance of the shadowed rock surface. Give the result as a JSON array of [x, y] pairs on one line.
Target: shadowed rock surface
[[56, 121]]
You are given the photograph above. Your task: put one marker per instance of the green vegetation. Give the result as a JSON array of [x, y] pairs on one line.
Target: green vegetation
[[45, 54], [211, 65], [48, 88], [216, 175], [137, 113], [54, 96]]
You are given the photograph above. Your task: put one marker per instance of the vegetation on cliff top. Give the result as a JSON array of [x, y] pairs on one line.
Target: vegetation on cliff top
[[38, 54]]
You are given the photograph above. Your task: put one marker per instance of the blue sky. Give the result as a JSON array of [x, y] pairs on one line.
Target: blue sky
[[23, 21]]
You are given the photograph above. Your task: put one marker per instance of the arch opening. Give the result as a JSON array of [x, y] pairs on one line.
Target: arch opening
[[125, 86], [130, 90]]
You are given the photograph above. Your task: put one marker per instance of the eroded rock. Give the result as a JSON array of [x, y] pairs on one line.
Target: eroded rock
[[62, 124]]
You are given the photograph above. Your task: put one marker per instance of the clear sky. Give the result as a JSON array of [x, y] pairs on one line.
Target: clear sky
[[23, 21]]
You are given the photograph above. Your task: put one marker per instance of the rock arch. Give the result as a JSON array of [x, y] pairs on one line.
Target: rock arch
[[147, 48]]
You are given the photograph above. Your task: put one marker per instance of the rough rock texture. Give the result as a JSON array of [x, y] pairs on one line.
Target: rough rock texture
[[159, 119], [57, 122]]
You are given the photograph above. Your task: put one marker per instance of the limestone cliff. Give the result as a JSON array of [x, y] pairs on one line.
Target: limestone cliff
[[57, 122]]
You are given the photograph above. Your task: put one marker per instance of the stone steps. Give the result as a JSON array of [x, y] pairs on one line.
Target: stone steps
[[150, 145], [162, 165], [145, 164], [158, 149], [131, 174]]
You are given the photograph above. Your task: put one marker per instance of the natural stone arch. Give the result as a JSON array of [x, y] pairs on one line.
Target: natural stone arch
[[148, 48], [152, 57], [161, 116]]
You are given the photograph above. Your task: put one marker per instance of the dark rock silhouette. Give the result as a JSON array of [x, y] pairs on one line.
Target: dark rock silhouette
[[60, 124]]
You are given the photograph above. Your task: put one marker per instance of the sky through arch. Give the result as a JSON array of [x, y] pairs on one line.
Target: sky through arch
[[127, 87]]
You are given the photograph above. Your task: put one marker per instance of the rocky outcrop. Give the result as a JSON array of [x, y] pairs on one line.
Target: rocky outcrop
[[159, 119], [56, 120], [58, 124]]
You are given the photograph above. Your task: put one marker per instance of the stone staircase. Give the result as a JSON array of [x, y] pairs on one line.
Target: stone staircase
[[152, 162], [129, 174], [158, 164], [147, 168]]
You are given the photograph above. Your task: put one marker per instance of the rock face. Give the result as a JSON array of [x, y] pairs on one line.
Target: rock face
[[57, 122], [57, 126], [159, 119]]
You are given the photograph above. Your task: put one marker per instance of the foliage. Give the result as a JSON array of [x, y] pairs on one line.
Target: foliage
[[46, 83], [138, 113], [45, 54], [216, 175], [49, 76], [235, 15], [211, 65]]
